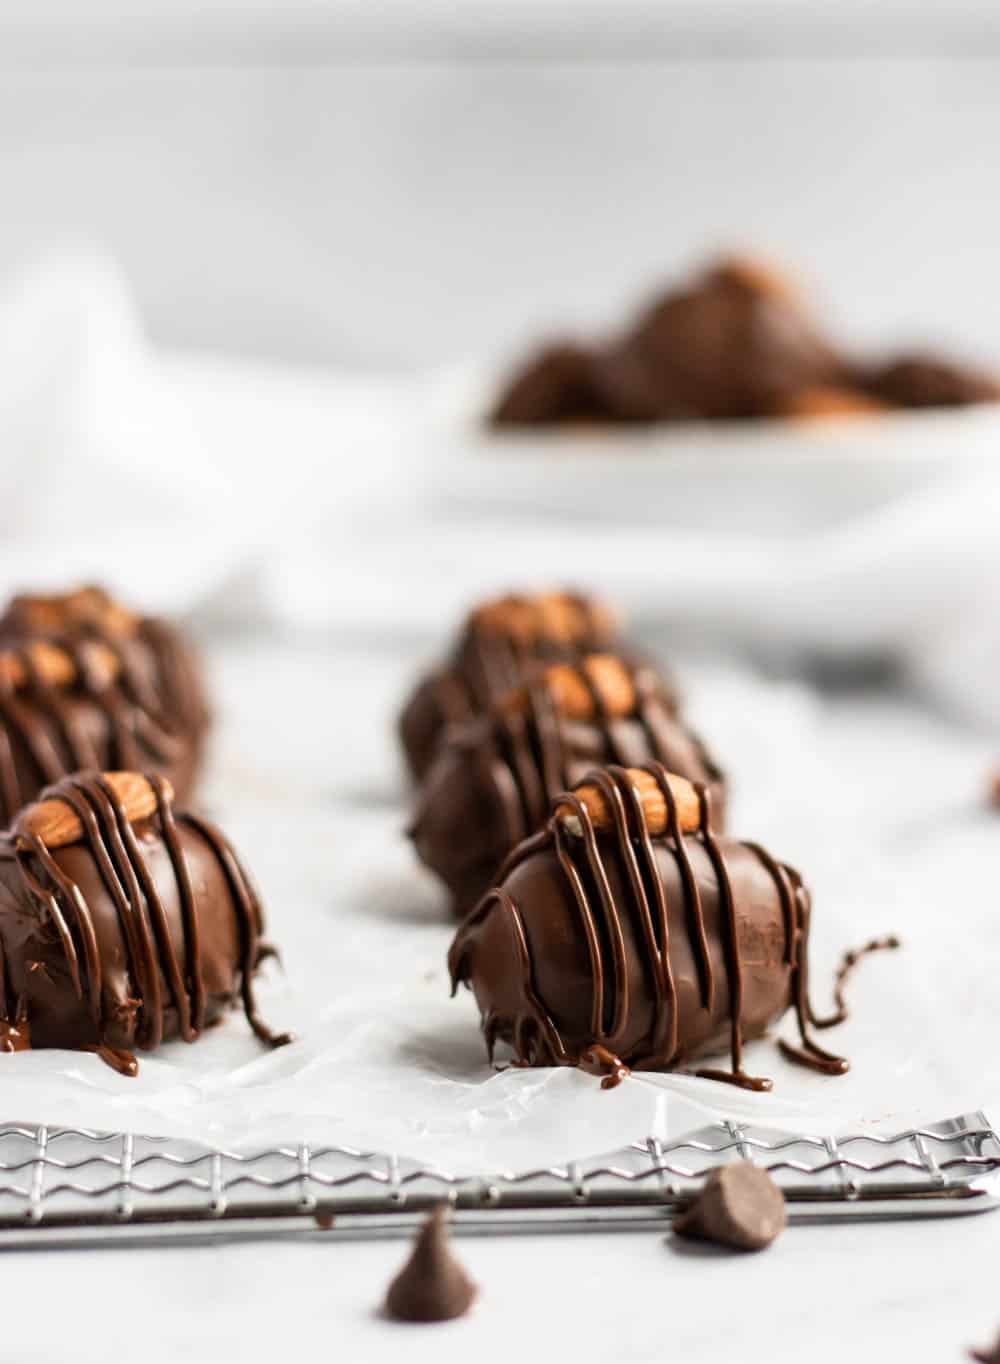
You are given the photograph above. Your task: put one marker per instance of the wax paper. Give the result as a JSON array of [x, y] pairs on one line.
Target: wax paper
[[881, 804]]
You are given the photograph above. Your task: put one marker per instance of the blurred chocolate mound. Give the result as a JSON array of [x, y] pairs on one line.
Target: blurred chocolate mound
[[738, 340]]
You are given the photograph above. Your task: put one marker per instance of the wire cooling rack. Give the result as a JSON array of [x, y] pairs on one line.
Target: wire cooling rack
[[69, 1185]]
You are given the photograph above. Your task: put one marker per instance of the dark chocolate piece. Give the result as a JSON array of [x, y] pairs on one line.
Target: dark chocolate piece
[[731, 344], [994, 790], [499, 642], [931, 381], [554, 385], [122, 923], [739, 1205], [734, 341], [432, 1285], [727, 344], [495, 777], [628, 924], [87, 684]]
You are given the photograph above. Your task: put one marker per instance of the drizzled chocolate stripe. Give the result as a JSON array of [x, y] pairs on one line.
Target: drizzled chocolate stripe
[[159, 975], [535, 742], [489, 661], [44, 721], [250, 920], [585, 857]]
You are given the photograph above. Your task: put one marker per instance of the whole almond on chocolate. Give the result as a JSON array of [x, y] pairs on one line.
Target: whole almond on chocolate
[[653, 801], [57, 824]]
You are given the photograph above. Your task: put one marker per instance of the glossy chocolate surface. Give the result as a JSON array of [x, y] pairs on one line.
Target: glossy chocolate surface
[[497, 646], [928, 380], [494, 777], [657, 949], [133, 935], [151, 715]]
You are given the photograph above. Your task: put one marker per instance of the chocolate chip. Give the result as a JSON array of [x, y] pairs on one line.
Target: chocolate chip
[[739, 1205], [432, 1285]]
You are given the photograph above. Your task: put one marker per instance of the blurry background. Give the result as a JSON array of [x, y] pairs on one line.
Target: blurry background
[[259, 261], [383, 182]]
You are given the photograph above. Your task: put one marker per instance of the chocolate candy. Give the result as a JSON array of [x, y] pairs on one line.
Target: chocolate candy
[[554, 385], [727, 344], [734, 341], [731, 344], [499, 641], [494, 777], [122, 923], [739, 1206], [432, 1285], [931, 381], [87, 684], [627, 924]]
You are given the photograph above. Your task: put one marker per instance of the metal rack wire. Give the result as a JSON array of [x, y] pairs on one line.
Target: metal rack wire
[[69, 1185]]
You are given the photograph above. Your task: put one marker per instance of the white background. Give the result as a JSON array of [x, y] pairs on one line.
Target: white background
[[401, 183], [378, 186]]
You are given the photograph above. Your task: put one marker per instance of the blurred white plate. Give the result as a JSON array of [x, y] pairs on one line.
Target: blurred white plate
[[775, 477]]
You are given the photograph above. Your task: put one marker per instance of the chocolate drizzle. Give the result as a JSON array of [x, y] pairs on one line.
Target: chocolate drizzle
[[496, 776], [655, 998], [125, 926], [499, 645], [134, 701]]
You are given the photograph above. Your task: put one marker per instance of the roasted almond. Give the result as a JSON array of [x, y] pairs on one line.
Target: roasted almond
[[810, 403], [654, 805], [576, 688], [554, 616], [53, 665], [57, 824], [70, 610]]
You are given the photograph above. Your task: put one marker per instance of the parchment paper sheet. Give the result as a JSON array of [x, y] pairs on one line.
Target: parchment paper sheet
[[879, 804]]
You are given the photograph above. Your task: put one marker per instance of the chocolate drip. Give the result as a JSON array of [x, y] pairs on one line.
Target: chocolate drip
[[845, 970], [617, 884], [163, 936]]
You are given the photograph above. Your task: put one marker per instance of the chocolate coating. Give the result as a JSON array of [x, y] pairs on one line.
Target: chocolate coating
[[494, 777], [151, 716], [130, 936], [729, 343], [497, 647], [734, 341], [554, 385], [931, 381], [656, 949]]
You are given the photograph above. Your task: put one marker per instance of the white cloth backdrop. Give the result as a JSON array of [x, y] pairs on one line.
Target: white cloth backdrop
[[327, 501]]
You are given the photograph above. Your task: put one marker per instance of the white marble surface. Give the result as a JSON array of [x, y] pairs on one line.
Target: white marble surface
[[880, 1291]]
